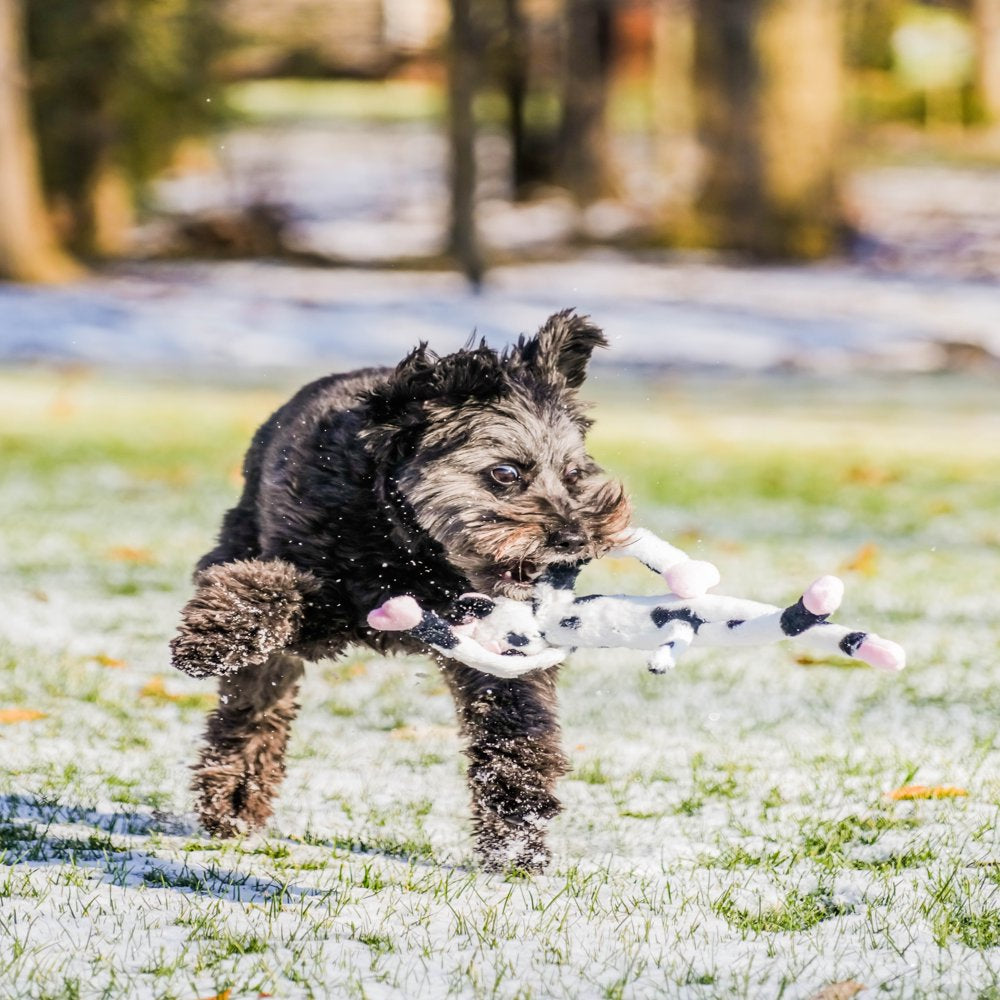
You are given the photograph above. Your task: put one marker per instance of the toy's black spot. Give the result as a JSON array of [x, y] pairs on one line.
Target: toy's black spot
[[571, 622], [661, 616], [476, 607], [435, 631], [561, 577], [516, 639], [586, 599], [797, 618], [849, 644], [735, 622], [512, 652]]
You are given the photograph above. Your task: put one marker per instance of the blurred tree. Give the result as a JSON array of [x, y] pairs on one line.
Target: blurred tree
[[465, 54], [582, 158], [767, 107], [28, 248], [515, 61], [116, 85], [868, 28], [986, 15]]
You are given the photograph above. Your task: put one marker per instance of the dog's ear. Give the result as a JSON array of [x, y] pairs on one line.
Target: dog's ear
[[398, 407], [561, 349]]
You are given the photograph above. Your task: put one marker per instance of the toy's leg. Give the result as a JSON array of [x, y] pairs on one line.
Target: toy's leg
[[678, 636], [764, 624], [512, 742], [241, 612], [242, 762], [404, 614], [835, 640]]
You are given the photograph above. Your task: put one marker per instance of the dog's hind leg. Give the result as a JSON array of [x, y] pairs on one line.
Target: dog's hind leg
[[242, 762], [512, 742]]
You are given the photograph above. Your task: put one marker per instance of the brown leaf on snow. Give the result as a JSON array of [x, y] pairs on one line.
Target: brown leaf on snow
[[224, 995], [156, 690], [865, 474], [908, 792], [839, 991], [864, 561], [8, 716], [131, 554], [109, 661]]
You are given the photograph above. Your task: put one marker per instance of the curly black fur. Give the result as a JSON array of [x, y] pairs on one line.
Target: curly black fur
[[376, 483]]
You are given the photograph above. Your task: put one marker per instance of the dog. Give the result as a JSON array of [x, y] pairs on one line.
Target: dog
[[443, 475]]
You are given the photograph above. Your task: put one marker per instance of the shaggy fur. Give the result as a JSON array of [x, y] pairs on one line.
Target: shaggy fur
[[376, 483]]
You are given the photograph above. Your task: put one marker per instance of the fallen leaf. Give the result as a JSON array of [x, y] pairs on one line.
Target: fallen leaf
[[130, 554], [580, 746], [224, 995], [839, 991], [108, 661], [9, 716], [908, 792], [864, 561], [156, 690], [805, 660], [869, 475], [39, 595]]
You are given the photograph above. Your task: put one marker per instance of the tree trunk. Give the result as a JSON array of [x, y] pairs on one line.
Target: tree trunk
[[987, 20], [28, 247], [582, 159], [514, 79], [463, 240], [768, 106], [677, 155]]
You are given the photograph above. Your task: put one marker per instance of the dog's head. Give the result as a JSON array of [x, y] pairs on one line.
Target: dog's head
[[484, 452]]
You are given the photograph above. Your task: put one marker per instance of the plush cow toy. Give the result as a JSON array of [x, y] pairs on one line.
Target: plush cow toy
[[507, 638]]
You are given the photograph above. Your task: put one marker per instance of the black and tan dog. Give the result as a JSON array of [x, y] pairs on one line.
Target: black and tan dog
[[441, 476]]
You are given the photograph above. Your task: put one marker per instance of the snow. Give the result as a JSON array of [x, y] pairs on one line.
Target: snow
[[260, 318]]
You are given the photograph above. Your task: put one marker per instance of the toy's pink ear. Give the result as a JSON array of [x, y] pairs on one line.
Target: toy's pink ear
[[396, 615], [882, 653], [691, 578]]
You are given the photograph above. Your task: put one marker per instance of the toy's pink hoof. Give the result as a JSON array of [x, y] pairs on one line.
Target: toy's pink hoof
[[396, 615], [691, 578], [824, 596], [882, 653]]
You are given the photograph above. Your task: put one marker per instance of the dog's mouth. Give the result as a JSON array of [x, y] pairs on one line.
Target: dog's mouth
[[525, 572], [512, 579]]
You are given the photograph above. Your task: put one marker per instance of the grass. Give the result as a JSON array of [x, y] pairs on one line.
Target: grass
[[726, 831]]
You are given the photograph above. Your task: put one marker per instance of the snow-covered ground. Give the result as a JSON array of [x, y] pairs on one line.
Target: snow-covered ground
[[256, 318], [727, 833]]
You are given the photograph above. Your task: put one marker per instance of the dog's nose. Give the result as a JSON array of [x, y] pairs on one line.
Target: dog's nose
[[568, 539]]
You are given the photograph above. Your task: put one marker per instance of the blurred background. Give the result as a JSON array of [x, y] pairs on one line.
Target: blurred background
[[250, 187]]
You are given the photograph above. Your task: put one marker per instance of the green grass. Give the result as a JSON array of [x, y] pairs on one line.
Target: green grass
[[726, 832]]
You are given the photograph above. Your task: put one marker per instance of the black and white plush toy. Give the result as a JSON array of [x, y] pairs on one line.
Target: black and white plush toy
[[507, 638]]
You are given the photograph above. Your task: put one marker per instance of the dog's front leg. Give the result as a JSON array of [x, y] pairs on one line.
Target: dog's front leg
[[240, 614], [512, 742]]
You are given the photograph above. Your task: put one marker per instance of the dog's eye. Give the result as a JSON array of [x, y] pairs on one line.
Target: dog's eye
[[505, 475], [572, 474]]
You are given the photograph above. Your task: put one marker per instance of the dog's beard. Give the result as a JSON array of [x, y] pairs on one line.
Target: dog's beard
[[502, 547]]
